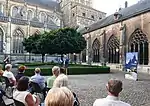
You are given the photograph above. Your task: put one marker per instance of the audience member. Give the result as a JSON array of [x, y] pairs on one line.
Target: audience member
[[62, 81], [7, 73], [114, 87], [22, 95], [40, 80], [59, 97], [50, 80], [20, 73], [1, 71]]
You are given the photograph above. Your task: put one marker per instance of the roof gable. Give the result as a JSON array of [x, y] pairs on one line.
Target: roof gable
[[126, 13]]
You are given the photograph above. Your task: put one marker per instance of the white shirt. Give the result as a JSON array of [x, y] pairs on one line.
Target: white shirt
[[110, 101], [9, 75], [21, 96], [60, 81]]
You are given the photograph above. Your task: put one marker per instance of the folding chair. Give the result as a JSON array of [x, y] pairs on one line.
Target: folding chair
[[17, 103], [5, 100], [37, 90], [7, 83]]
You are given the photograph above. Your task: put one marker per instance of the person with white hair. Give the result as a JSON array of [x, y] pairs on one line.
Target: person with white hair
[[59, 97], [62, 81], [50, 80], [7, 73]]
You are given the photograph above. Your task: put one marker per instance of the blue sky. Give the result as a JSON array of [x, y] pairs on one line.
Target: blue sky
[[110, 6]]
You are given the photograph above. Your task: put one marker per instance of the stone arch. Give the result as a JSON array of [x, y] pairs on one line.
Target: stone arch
[[14, 11], [18, 36], [113, 49], [138, 42], [30, 14], [96, 50], [43, 17]]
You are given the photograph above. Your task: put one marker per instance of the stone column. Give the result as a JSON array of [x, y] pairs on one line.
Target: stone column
[[8, 38], [89, 51], [149, 53]]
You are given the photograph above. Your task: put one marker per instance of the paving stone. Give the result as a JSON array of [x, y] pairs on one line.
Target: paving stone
[[91, 87]]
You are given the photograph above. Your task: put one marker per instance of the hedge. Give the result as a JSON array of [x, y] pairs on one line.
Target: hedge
[[53, 64], [36, 64], [72, 71]]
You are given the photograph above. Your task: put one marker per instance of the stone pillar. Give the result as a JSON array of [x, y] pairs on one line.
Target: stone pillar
[[89, 50], [8, 38], [149, 53]]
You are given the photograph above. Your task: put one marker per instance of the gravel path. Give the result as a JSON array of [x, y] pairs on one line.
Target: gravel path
[[91, 87]]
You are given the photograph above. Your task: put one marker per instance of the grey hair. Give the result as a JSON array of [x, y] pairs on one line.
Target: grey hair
[[8, 66], [55, 68]]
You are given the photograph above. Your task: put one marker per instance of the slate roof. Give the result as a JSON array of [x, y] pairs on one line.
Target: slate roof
[[134, 10], [50, 4]]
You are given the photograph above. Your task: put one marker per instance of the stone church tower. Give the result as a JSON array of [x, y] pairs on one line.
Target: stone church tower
[[79, 13]]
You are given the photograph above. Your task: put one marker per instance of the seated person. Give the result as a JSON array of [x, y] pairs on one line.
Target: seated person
[[1, 71], [62, 81], [50, 80], [20, 73], [40, 80], [22, 95], [7, 73], [59, 97], [114, 87]]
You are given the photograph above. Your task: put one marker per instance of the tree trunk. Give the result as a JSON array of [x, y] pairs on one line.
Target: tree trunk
[[43, 58]]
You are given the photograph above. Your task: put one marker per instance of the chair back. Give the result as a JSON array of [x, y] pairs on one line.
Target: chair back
[[18, 103], [6, 81], [35, 87]]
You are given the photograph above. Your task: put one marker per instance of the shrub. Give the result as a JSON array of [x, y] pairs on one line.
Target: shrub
[[72, 70]]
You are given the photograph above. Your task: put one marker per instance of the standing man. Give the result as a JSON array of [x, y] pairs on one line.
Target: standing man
[[114, 87], [50, 80]]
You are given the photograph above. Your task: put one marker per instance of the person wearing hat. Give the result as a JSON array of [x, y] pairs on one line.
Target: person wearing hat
[[20, 73]]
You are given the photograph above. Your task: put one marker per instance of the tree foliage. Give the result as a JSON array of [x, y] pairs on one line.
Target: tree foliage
[[68, 40], [61, 41]]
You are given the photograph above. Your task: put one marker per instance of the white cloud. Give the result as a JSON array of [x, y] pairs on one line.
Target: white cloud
[[110, 6]]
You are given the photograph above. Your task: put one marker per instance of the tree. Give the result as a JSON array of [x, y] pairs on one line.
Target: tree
[[61, 41], [34, 44], [68, 40]]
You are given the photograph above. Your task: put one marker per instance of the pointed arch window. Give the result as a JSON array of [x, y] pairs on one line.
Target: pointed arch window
[[113, 49], [43, 17], [138, 42], [18, 37], [30, 15], [14, 11], [96, 50]]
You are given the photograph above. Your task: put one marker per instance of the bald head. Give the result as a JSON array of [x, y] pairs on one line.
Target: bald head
[[114, 87]]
